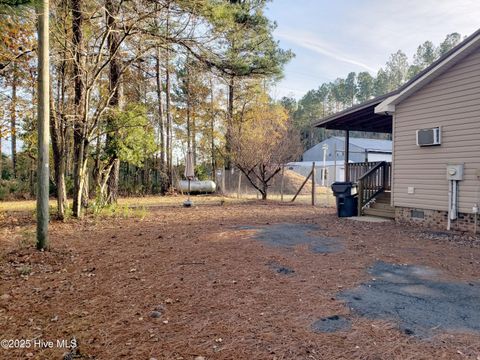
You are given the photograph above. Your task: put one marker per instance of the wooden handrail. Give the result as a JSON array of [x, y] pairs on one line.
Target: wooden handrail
[[380, 164], [373, 182], [356, 170]]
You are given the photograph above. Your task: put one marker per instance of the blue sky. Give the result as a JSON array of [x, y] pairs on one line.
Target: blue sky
[[332, 38]]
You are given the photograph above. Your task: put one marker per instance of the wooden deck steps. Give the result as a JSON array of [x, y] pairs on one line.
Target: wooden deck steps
[[381, 207]]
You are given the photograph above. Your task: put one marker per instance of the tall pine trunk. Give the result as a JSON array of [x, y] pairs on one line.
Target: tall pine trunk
[[228, 134], [60, 128], [13, 119], [169, 123], [169, 129], [59, 159], [160, 111], [212, 131], [79, 174], [116, 100], [79, 127]]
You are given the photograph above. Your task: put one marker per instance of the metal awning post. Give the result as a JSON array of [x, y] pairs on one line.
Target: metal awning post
[[346, 155]]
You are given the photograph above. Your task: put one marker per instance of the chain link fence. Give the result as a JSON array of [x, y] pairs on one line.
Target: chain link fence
[[283, 186]]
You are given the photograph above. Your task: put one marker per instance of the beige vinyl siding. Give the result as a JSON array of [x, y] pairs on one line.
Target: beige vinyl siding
[[451, 101]]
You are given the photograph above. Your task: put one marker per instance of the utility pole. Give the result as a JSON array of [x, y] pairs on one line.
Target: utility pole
[[324, 169], [43, 125]]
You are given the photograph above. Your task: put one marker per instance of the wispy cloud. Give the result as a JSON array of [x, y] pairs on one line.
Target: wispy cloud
[[311, 42], [391, 25], [332, 38]]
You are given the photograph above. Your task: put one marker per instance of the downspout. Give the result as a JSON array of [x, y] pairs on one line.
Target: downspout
[[475, 214], [475, 208], [452, 202], [449, 203]]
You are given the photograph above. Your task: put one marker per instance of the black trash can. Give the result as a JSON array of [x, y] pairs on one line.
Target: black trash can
[[347, 198]]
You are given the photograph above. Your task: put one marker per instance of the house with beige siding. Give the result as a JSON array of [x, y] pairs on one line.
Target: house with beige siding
[[434, 119]]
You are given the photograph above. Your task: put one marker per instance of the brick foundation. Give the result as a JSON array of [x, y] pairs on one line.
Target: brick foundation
[[434, 219]]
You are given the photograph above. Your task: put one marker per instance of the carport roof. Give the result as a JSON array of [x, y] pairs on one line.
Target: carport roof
[[361, 117]]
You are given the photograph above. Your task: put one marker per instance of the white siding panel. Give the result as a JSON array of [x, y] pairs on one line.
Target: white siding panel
[[451, 101]]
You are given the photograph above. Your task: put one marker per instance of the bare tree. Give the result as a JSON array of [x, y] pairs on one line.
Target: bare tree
[[263, 144]]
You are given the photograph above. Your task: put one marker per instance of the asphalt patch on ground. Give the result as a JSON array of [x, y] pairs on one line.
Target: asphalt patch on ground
[[290, 235], [280, 269], [414, 297], [332, 324]]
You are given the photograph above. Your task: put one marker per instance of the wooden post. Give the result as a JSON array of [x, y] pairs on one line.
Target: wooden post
[[360, 197], [346, 155], [239, 183], [313, 184], [334, 162], [385, 175], [282, 183], [43, 125], [326, 196]]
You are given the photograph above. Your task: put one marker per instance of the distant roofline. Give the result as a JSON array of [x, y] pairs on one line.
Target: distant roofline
[[371, 150], [355, 137]]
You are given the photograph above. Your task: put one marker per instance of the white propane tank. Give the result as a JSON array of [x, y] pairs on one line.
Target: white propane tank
[[206, 186]]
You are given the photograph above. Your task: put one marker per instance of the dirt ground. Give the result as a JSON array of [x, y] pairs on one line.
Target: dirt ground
[[210, 282]]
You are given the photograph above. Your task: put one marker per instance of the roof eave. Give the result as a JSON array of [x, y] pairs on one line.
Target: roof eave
[[386, 107]]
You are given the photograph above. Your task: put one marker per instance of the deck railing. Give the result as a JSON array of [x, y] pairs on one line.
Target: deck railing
[[357, 170], [375, 180]]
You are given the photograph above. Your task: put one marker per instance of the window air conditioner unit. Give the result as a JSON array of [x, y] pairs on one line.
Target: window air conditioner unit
[[429, 137]]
